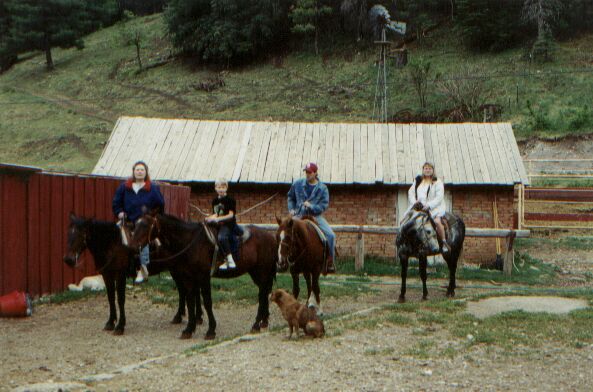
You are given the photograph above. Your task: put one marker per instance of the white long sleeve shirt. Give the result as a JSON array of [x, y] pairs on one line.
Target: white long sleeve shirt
[[432, 195]]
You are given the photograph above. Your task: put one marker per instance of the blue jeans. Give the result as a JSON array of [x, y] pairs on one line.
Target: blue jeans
[[145, 256], [331, 236]]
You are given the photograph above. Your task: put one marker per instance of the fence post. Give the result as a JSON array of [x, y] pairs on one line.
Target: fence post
[[359, 256], [509, 257]]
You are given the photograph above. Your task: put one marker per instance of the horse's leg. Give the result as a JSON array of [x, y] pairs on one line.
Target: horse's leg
[[451, 260], [422, 263], [316, 292], [206, 290], [261, 301], [295, 284], [178, 318], [110, 287], [190, 297], [404, 263], [199, 312], [307, 276], [266, 304], [121, 302]]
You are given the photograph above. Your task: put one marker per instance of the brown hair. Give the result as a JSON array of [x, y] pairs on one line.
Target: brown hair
[[147, 179], [434, 172]]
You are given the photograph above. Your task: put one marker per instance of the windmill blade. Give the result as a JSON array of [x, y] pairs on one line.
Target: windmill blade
[[398, 27]]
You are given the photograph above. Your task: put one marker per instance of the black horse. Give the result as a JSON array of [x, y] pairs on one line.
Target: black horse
[[418, 238], [196, 242], [114, 261]]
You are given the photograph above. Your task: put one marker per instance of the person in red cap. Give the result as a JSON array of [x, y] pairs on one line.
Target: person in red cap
[[309, 196]]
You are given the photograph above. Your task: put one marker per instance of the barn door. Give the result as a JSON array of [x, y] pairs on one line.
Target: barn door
[[402, 207]]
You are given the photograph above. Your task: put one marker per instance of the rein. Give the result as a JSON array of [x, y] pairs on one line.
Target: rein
[[291, 249], [176, 254]]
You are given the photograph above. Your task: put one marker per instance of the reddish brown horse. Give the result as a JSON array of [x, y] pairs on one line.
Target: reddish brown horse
[[112, 261], [195, 242], [301, 249]]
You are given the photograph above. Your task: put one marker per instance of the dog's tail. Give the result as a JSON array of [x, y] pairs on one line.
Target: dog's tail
[[73, 287]]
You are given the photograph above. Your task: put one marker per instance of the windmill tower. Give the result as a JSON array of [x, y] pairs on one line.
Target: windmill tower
[[381, 21]]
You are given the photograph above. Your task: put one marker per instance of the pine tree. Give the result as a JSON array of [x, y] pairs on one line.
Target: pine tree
[[46, 24], [8, 54], [307, 16]]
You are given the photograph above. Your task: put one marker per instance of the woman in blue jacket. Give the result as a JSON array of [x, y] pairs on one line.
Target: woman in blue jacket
[[130, 198], [309, 196]]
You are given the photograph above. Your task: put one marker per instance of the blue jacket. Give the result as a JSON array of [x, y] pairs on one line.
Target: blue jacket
[[297, 196], [131, 203]]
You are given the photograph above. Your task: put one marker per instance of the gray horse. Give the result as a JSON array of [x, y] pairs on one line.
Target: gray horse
[[418, 238]]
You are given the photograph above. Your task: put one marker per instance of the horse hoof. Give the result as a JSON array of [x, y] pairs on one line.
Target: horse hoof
[[200, 321], [424, 298], [210, 336], [185, 335], [109, 327], [450, 295], [255, 329], [401, 300], [177, 320], [118, 332], [263, 325]]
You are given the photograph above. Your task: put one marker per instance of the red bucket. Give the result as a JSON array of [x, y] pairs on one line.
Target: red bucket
[[15, 304]]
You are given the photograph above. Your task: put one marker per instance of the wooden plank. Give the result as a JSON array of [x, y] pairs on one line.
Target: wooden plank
[[331, 152], [513, 151], [467, 162], [359, 255], [356, 154], [420, 145], [33, 228], [193, 146], [497, 156], [315, 144], [427, 130], [245, 139], [401, 155], [364, 154], [322, 147], [371, 155], [393, 156], [408, 152], [501, 151], [133, 149], [453, 148], [379, 175], [56, 214], [508, 151], [342, 152], [473, 150], [154, 137], [188, 137], [270, 161], [299, 162], [212, 162], [109, 147], [307, 130], [229, 150], [253, 152], [175, 147], [437, 149], [445, 164], [263, 152], [284, 176], [161, 145], [482, 149], [280, 153], [112, 165], [199, 150], [349, 159]]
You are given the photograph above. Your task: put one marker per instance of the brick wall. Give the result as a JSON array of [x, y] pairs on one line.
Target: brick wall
[[371, 205]]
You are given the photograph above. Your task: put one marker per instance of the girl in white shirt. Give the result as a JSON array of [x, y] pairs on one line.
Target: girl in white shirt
[[429, 193]]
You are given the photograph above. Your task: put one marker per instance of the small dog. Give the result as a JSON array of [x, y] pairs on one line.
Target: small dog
[[93, 283], [298, 315]]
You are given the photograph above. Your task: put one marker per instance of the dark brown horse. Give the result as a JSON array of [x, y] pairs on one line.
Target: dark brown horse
[[113, 261], [418, 238], [195, 242], [301, 249]]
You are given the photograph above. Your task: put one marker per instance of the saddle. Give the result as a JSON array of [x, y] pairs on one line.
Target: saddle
[[236, 244], [313, 222]]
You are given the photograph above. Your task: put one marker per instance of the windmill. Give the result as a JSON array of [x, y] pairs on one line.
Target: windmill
[[381, 22]]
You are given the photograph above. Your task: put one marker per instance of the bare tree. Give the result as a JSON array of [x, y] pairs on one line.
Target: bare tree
[[466, 91], [544, 13]]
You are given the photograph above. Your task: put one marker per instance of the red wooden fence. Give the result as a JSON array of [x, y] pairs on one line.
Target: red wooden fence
[[34, 210]]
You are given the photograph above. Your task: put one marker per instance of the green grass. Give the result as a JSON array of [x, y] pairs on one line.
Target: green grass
[[568, 242], [563, 182], [161, 289], [528, 270], [101, 81], [66, 296]]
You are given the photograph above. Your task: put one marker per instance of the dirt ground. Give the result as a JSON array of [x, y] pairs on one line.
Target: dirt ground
[[62, 347]]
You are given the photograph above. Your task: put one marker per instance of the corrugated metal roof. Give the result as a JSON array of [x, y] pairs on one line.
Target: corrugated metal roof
[[275, 152]]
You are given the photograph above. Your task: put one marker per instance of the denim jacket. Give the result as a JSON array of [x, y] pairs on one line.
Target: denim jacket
[[297, 196]]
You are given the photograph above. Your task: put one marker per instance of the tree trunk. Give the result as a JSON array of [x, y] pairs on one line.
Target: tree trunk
[[49, 63], [137, 43]]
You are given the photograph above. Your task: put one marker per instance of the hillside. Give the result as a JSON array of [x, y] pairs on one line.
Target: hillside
[[62, 119]]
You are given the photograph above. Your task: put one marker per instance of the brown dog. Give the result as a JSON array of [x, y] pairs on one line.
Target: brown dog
[[298, 315]]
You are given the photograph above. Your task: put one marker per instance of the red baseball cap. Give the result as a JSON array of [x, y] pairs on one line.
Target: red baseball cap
[[311, 167]]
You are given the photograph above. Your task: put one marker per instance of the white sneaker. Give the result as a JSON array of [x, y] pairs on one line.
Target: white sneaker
[[139, 277], [224, 266], [228, 264]]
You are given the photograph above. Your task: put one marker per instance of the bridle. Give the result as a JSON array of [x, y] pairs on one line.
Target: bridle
[[291, 248]]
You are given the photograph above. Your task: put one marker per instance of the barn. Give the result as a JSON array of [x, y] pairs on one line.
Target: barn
[[367, 167], [34, 215]]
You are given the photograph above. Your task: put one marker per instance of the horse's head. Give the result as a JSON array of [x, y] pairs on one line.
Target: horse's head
[[284, 238], [420, 229], [78, 233], [146, 229]]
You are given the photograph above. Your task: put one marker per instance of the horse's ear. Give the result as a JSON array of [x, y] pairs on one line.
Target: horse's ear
[[290, 223], [278, 220]]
